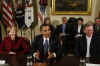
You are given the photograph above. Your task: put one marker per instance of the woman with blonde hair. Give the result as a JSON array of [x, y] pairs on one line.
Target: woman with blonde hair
[[13, 47]]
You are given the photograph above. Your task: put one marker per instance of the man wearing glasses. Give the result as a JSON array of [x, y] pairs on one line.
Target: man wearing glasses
[[88, 46]]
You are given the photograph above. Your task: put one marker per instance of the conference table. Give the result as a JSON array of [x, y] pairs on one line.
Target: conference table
[[10, 60], [68, 61], [73, 61], [77, 61]]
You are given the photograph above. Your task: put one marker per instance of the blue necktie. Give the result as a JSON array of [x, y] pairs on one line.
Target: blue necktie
[[46, 47], [63, 28]]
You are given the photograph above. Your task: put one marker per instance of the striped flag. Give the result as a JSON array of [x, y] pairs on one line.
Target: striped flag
[[7, 13], [41, 17], [43, 5], [43, 2]]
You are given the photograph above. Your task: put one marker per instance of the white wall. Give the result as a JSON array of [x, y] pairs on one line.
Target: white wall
[[97, 9]]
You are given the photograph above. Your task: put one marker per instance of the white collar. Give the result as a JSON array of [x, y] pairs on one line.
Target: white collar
[[45, 38], [88, 37]]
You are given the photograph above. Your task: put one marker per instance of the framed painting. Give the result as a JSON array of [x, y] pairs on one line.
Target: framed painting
[[71, 7]]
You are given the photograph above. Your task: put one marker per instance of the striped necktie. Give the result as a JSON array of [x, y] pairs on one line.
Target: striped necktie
[[46, 47]]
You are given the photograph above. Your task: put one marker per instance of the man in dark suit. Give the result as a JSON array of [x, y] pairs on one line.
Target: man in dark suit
[[63, 28], [78, 28], [86, 46], [44, 46]]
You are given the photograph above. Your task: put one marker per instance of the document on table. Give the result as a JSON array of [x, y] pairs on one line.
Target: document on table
[[89, 64], [2, 61]]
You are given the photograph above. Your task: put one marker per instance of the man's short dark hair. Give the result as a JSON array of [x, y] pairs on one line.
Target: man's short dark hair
[[43, 25], [80, 19]]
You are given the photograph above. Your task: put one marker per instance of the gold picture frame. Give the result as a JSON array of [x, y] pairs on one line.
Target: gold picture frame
[[71, 7]]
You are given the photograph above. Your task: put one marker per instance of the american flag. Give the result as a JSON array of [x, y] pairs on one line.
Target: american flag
[[7, 13], [40, 15], [43, 2]]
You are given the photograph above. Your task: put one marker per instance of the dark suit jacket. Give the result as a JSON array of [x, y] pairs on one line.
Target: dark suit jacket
[[97, 32], [37, 44], [81, 46], [75, 29], [59, 29], [95, 28], [18, 46], [52, 28]]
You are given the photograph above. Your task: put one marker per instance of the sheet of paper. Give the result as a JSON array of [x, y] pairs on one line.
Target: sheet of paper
[[88, 64], [2, 61]]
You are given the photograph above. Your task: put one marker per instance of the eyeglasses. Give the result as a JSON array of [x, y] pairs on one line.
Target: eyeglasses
[[90, 30]]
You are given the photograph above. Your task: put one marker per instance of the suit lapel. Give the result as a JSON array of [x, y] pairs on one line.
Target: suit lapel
[[92, 43], [40, 44], [41, 41], [85, 45], [81, 31]]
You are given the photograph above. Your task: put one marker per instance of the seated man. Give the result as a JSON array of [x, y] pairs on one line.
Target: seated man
[[44, 46], [78, 28], [88, 45], [63, 28], [13, 47]]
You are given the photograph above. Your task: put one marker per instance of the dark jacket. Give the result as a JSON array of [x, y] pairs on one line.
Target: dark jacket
[[97, 29], [37, 44], [75, 29], [81, 46], [59, 29]]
